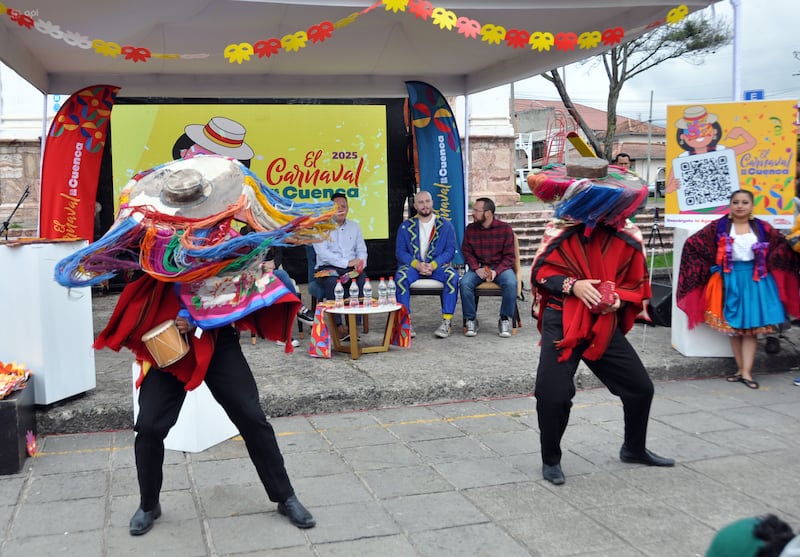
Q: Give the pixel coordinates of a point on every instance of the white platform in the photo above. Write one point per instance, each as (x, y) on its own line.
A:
(46, 327)
(201, 424)
(702, 341)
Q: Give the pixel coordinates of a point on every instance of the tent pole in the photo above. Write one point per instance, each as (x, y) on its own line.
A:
(737, 50)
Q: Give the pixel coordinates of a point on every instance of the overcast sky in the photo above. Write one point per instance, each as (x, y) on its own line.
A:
(770, 60)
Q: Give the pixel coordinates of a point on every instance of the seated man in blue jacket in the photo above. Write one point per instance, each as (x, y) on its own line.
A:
(426, 245)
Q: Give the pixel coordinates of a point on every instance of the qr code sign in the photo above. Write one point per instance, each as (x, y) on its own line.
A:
(706, 180)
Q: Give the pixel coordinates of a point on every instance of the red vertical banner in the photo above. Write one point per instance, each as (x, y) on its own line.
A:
(73, 152)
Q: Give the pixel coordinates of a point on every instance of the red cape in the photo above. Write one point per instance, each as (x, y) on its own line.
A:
(147, 302)
(606, 255)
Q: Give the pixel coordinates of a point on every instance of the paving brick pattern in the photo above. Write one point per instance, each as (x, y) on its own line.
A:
(457, 479)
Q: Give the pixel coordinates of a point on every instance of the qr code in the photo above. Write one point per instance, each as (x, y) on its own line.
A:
(706, 180)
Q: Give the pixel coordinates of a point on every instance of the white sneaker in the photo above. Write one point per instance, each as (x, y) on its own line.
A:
(504, 328)
(413, 332)
(471, 328)
(295, 343)
(444, 329)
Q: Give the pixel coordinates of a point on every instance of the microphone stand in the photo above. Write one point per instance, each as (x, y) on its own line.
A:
(7, 223)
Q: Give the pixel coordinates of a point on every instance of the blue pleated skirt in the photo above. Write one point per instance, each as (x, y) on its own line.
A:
(751, 304)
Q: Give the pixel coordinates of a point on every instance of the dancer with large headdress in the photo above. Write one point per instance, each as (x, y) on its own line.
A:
(591, 276)
(176, 228)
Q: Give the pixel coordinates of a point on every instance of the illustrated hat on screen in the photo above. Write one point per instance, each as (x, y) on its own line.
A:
(695, 115)
(222, 136)
(196, 188)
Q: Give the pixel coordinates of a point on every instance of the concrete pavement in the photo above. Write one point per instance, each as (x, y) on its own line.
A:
(432, 370)
(440, 480)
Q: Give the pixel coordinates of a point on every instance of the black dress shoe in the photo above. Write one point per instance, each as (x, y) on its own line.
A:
(648, 458)
(142, 521)
(297, 514)
(553, 474)
(305, 316)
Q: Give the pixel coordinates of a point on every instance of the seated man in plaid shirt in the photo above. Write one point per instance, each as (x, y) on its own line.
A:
(488, 250)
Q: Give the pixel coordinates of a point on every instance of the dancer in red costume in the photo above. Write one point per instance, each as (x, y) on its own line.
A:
(592, 282)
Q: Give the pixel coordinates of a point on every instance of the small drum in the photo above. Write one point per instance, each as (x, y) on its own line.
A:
(165, 343)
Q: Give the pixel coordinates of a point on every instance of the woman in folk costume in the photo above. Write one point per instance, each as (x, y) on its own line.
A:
(591, 276)
(739, 275)
(175, 225)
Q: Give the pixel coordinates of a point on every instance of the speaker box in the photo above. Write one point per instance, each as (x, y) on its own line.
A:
(660, 306)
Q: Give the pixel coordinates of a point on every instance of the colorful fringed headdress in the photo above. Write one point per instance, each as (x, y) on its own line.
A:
(590, 191)
(176, 223)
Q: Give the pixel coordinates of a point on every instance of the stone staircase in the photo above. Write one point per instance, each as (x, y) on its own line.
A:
(529, 226)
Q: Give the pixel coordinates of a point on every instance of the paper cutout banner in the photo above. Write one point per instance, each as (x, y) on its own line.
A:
(444, 19)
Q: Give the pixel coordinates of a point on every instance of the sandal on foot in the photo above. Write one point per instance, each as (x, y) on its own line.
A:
(734, 378)
(750, 383)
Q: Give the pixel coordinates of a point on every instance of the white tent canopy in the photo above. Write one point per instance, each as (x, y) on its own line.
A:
(372, 56)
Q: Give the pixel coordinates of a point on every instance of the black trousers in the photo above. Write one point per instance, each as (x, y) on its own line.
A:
(620, 369)
(231, 382)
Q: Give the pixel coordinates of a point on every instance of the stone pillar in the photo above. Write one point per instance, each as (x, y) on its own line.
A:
(491, 147)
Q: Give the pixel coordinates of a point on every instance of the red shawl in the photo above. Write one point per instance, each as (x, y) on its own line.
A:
(699, 255)
(606, 255)
(147, 302)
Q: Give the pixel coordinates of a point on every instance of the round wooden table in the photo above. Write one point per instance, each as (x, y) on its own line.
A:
(353, 346)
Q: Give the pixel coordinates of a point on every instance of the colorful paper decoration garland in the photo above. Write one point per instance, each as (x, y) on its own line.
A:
(446, 20)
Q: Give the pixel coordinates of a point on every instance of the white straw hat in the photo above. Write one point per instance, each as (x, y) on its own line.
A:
(222, 136)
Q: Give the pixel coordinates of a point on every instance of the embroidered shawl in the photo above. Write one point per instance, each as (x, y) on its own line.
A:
(147, 302)
(700, 255)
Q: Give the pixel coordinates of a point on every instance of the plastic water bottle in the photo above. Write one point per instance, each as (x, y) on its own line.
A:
(382, 292)
(338, 295)
(367, 293)
(353, 294)
(391, 292)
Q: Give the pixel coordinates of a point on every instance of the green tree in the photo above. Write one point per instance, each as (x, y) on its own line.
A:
(690, 40)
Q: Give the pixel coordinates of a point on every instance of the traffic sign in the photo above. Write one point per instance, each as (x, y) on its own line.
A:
(754, 95)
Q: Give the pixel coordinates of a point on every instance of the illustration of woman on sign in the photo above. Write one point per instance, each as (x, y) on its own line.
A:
(220, 136)
(706, 173)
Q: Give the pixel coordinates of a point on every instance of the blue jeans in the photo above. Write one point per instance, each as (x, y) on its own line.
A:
(507, 281)
(284, 277)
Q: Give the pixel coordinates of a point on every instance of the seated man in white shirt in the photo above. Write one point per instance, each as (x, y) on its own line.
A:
(342, 253)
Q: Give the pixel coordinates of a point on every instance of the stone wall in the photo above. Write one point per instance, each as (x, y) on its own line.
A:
(19, 167)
